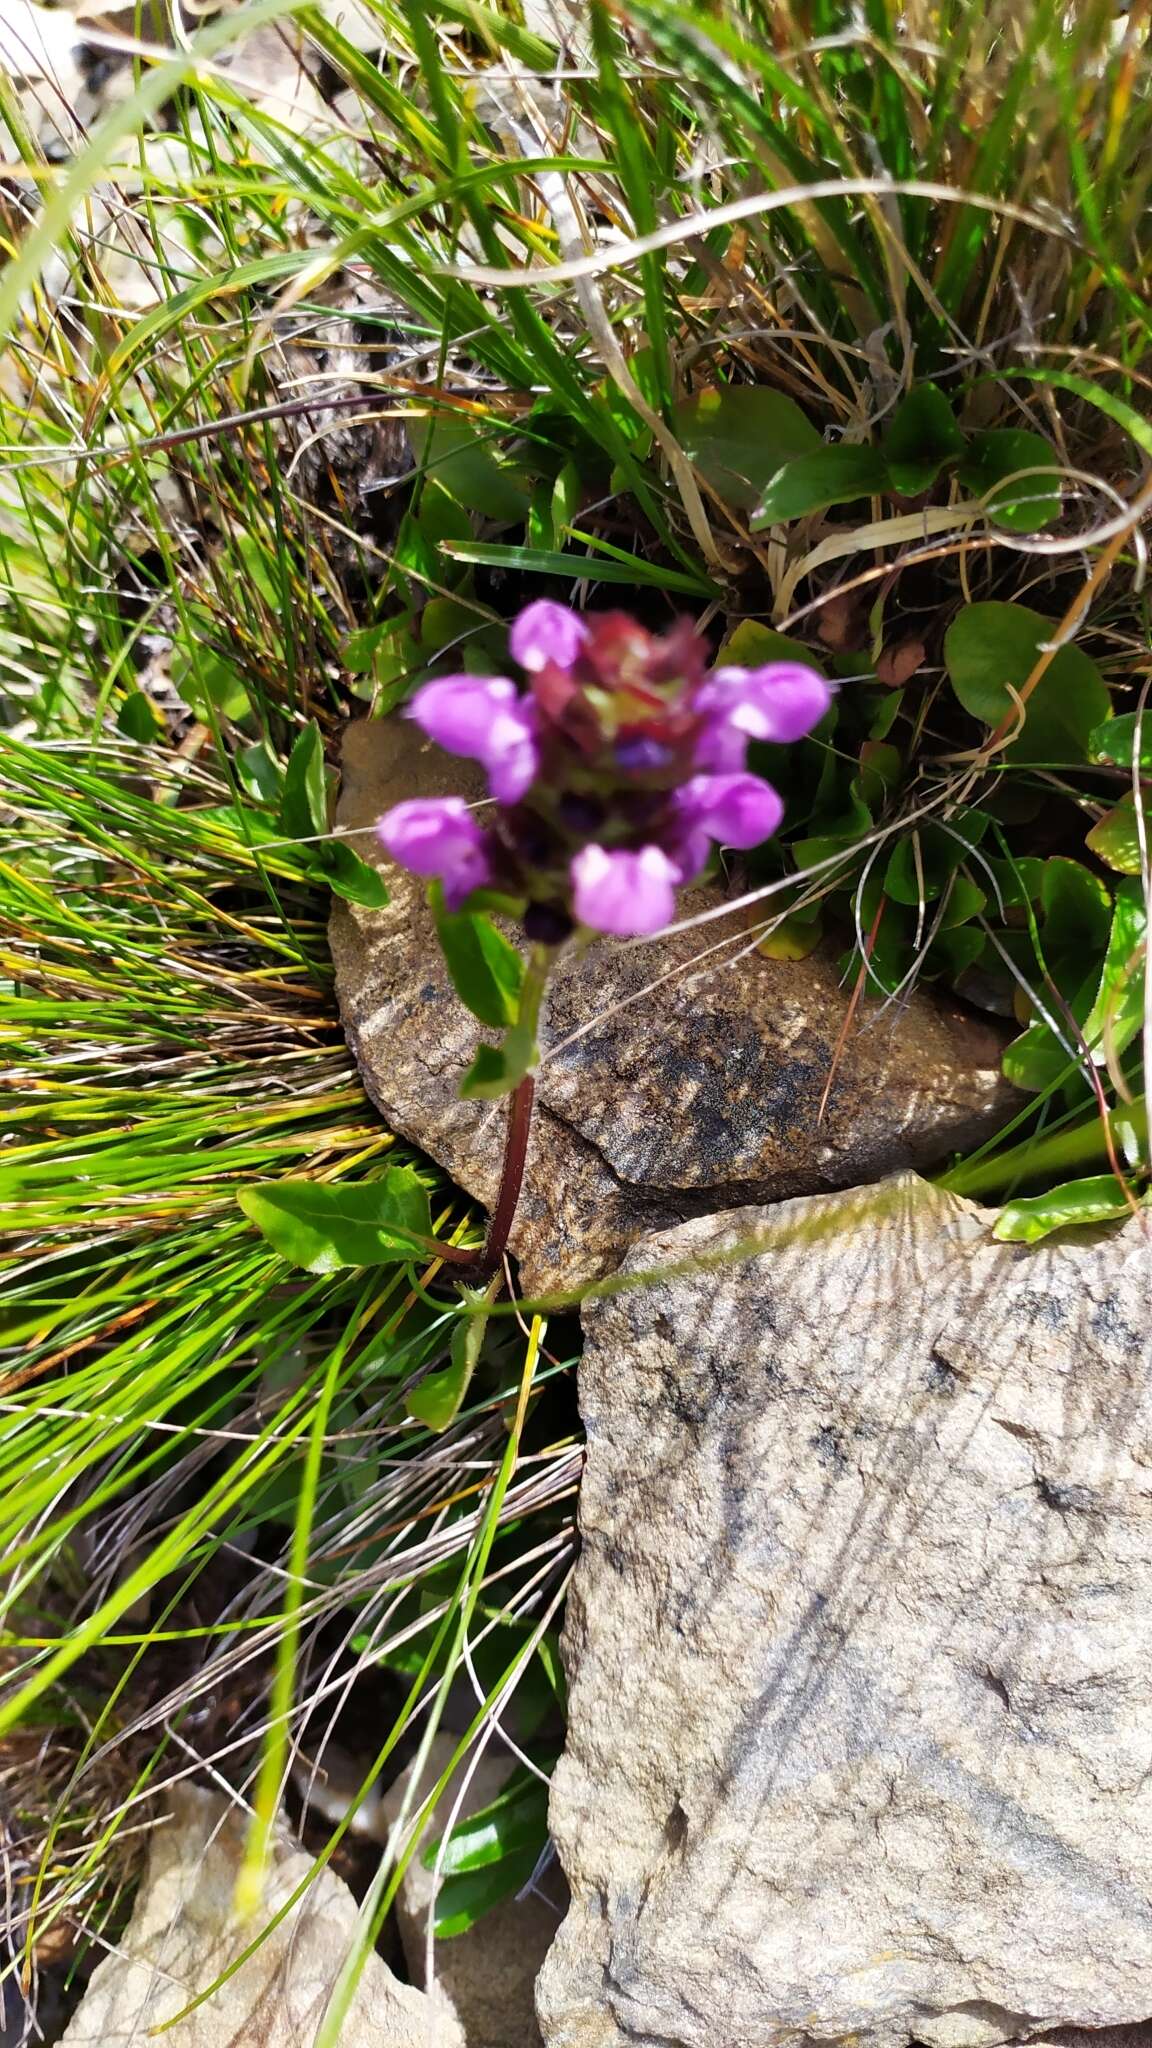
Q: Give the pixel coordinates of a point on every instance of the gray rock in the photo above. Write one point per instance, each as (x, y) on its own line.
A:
(697, 1081)
(183, 1934)
(488, 1975)
(860, 1740)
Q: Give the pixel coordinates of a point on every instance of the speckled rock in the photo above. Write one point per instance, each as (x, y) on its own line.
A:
(184, 1935)
(697, 1077)
(859, 1743)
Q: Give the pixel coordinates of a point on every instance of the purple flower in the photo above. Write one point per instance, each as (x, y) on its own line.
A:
(779, 702)
(486, 719)
(438, 836)
(625, 894)
(737, 810)
(546, 633)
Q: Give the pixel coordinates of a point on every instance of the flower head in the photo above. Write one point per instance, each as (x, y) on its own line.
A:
(439, 836)
(627, 894)
(616, 770)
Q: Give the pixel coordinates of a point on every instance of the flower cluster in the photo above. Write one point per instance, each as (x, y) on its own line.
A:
(614, 772)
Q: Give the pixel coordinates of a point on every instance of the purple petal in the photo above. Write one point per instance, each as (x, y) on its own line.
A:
(690, 851)
(438, 836)
(511, 756)
(625, 894)
(737, 810)
(458, 711)
(780, 702)
(546, 633)
(486, 719)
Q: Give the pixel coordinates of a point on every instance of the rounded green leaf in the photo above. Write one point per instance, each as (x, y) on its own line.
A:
(752, 645)
(139, 718)
(497, 1070)
(829, 476)
(991, 646)
(1117, 739)
(1115, 838)
(922, 438)
(738, 436)
(463, 454)
(1025, 503)
(1077, 909)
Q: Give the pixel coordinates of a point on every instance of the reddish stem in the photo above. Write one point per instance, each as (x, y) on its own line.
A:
(485, 1261)
(512, 1174)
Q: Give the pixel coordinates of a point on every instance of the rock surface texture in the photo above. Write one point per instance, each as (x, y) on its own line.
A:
(183, 1934)
(697, 1080)
(861, 1638)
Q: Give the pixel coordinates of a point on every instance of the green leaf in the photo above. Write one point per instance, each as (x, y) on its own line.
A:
(923, 862)
(1129, 1122)
(486, 969)
(436, 1400)
(1019, 881)
(1108, 1004)
(1118, 1011)
(210, 684)
(463, 1900)
(794, 937)
(462, 453)
(437, 518)
(617, 567)
(322, 1225)
(989, 646)
(1031, 501)
(496, 1070)
(359, 649)
(447, 623)
(567, 492)
(965, 899)
(304, 804)
(259, 772)
(829, 476)
(954, 950)
(1036, 1060)
(250, 826)
(737, 435)
(1098, 1199)
(1115, 740)
(517, 1819)
(922, 438)
(138, 718)
(751, 645)
(1077, 908)
(881, 767)
(1115, 837)
(349, 876)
